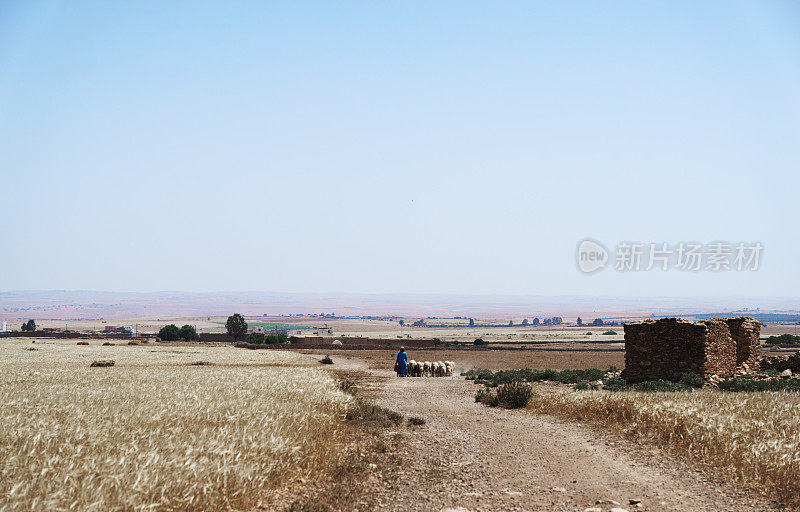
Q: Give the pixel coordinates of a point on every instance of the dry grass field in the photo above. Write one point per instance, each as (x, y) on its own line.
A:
(166, 428)
(752, 438)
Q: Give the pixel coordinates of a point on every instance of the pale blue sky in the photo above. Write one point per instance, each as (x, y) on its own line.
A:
(430, 147)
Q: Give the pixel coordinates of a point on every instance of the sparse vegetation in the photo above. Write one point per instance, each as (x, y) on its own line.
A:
(479, 342)
(753, 437)
(365, 412)
(493, 379)
(610, 333)
(326, 360)
(512, 395)
(413, 420)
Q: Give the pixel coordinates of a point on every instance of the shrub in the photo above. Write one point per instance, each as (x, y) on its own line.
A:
(610, 333)
(413, 420)
(485, 396)
(493, 379)
(585, 386)
(615, 384)
(741, 384)
(347, 385)
(479, 342)
(364, 412)
(274, 339)
(326, 360)
(189, 333)
(200, 363)
(692, 380)
(255, 337)
(169, 333)
(514, 395)
(589, 333)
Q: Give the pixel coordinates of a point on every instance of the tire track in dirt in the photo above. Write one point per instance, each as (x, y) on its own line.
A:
(483, 459)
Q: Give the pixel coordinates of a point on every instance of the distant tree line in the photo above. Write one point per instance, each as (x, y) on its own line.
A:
(171, 332)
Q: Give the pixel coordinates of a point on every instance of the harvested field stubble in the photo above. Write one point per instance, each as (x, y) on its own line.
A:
(752, 437)
(169, 437)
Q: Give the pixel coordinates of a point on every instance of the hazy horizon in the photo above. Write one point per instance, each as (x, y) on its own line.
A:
(74, 304)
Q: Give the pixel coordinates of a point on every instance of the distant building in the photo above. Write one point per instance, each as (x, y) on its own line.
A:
(4, 327)
(118, 329)
(324, 331)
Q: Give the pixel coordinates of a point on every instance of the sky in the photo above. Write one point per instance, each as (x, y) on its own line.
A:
(395, 147)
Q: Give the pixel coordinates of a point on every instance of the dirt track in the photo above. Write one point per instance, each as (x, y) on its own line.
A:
(471, 456)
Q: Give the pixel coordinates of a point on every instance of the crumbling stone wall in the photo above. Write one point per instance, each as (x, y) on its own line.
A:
(746, 332)
(669, 347)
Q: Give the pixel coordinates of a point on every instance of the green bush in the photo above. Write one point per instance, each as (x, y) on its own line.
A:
(169, 333)
(189, 333)
(255, 337)
(692, 380)
(783, 340)
(741, 384)
(485, 396)
(514, 395)
(479, 342)
(326, 360)
(615, 384)
(274, 339)
(497, 378)
(610, 333)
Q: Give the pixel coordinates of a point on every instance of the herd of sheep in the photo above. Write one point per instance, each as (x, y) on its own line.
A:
(429, 369)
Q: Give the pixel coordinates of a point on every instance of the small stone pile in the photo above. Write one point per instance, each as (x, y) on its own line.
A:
(669, 347)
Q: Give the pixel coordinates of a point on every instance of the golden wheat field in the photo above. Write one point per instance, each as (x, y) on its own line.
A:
(158, 431)
(752, 437)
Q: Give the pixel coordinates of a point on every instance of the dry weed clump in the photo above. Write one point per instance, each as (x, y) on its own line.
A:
(752, 437)
(168, 436)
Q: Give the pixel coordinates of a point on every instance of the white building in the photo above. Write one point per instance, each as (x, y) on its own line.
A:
(324, 331)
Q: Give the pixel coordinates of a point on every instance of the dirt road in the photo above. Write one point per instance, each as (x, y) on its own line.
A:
(483, 459)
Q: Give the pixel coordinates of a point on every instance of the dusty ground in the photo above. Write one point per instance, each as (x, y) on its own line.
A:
(483, 459)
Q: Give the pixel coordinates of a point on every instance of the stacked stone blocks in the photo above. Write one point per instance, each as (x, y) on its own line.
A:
(669, 347)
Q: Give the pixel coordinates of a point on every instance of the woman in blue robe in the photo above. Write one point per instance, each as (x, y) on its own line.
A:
(402, 363)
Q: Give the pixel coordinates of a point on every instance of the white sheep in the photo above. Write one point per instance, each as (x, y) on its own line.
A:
(426, 368)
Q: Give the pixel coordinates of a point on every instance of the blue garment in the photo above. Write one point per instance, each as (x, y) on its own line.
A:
(402, 363)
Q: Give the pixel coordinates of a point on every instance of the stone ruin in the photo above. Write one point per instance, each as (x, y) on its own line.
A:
(669, 347)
